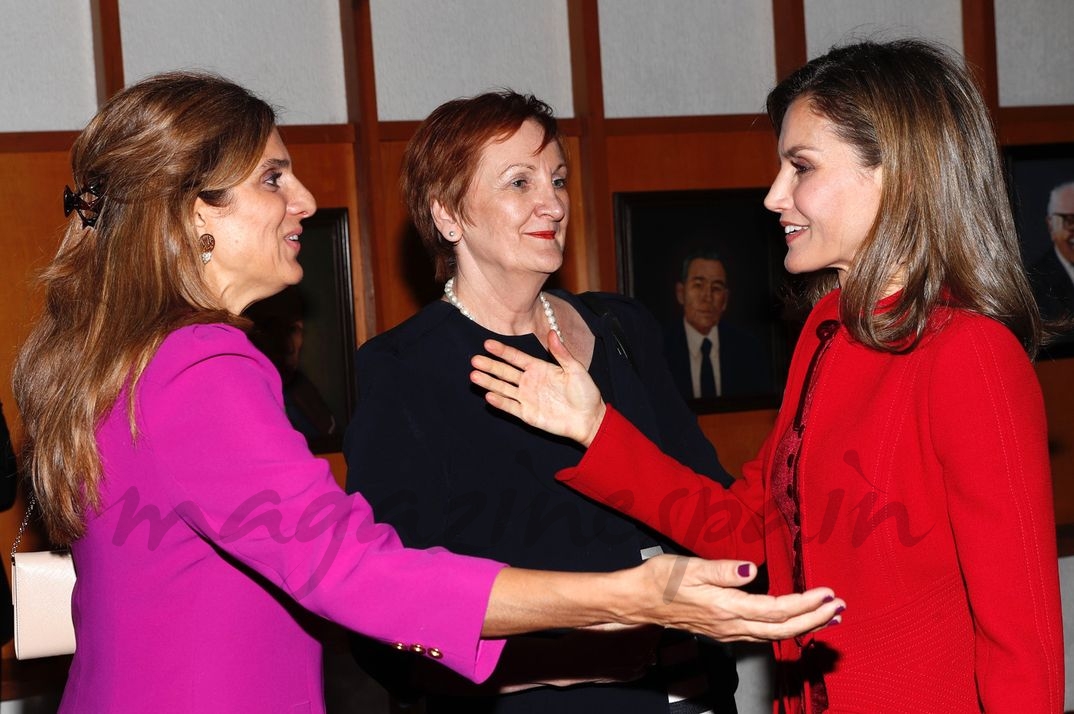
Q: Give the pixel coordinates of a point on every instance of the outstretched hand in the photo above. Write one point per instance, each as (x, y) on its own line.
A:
(562, 400)
(703, 596)
(692, 594)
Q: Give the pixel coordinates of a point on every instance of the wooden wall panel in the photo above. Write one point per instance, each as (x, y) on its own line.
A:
(737, 436)
(669, 162)
(675, 161)
(402, 273)
(1035, 125)
(574, 275)
(32, 209)
(1057, 382)
(327, 170)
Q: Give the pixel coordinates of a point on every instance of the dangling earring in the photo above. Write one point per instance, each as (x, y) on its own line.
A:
(207, 245)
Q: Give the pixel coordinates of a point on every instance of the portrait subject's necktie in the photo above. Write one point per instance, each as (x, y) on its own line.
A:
(708, 377)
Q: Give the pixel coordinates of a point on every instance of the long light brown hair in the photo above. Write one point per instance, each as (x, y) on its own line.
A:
(944, 228)
(116, 289)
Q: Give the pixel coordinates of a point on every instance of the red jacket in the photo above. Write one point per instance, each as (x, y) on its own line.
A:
(925, 503)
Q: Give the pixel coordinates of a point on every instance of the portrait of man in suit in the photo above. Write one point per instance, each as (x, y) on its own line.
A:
(708, 357)
(1052, 275)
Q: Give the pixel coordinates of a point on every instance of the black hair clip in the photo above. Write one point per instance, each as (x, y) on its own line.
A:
(87, 210)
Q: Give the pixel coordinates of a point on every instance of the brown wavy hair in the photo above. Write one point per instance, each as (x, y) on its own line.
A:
(441, 158)
(115, 290)
(944, 228)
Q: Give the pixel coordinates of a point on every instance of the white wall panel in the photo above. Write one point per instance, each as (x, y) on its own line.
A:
(48, 81)
(685, 57)
(1035, 52)
(289, 53)
(429, 51)
(831, 22)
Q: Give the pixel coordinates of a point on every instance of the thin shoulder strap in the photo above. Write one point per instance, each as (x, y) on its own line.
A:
(22, 527)
(600, 307)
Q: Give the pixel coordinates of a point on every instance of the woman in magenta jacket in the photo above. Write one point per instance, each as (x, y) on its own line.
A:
(908, 466)
(207, 540)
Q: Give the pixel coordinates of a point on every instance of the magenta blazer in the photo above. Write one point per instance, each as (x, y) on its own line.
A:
(221, 539)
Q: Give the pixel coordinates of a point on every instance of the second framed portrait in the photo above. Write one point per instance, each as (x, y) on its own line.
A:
(709, 265)
(1042, 194)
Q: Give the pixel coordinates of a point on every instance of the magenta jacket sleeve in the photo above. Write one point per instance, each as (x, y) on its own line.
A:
(212, 418)
(626, 471)
(988, 426)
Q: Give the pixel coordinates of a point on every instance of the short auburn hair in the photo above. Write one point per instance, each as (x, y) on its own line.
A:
(442, 157)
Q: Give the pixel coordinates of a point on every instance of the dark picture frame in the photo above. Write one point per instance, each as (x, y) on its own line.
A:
(316, 357)
(656, 230)
(1032, 173)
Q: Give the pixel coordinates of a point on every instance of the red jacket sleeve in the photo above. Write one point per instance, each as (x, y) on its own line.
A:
(988, 426)
(626, 471)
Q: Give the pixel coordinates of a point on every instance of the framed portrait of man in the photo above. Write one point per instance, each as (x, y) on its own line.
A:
(709, 265)
(1041, 182)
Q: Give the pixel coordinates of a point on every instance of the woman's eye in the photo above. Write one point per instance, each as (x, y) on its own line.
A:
(519, 183)
(559, 182)
(799, 167)
(273, 179)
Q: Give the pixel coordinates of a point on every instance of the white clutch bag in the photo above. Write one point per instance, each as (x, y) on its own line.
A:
(41, 586)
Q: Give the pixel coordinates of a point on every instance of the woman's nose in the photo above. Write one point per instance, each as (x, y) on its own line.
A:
(302, 202)
(778, 198)
(553, 203)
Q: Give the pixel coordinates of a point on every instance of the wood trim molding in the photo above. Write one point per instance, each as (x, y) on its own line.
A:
(25, 142)
(598, 257)
(318, 133)
(709, 124)
(788, 33)
(403, 130)
(107, 48)
(979, 47)
(362, 99)
(1017, 126)
(398, 130)
(34, 141)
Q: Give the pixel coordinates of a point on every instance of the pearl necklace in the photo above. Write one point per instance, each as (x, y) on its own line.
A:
(449, 293)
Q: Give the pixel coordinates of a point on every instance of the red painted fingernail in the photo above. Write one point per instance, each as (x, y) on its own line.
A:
(840, 609)
(833, 621)
(744, 570)
(828, 598)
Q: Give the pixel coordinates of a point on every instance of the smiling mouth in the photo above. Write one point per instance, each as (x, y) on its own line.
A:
(544, 235)
(791, 232)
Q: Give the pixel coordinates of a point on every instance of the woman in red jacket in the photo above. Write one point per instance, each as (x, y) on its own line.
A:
(908, 467)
